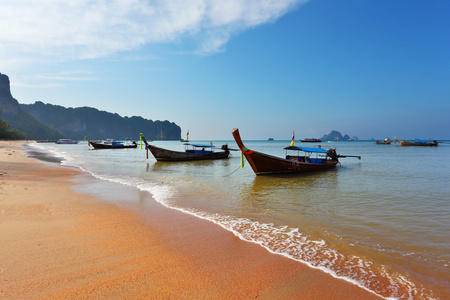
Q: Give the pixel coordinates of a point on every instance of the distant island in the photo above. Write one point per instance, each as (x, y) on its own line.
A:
(40, 121)
(337, 136)
(270, 139)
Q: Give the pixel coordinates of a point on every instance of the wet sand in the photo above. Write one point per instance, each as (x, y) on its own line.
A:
(59, 243)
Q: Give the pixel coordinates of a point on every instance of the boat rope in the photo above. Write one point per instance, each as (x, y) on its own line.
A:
(232, 172)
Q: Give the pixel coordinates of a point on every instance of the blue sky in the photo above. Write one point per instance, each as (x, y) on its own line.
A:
(371, 69)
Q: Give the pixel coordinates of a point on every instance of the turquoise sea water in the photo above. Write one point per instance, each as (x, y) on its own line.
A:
(382, 223)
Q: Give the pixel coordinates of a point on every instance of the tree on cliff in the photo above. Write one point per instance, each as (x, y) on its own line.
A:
(6, 133)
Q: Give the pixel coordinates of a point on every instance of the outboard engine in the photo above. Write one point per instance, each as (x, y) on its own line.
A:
(332, 153)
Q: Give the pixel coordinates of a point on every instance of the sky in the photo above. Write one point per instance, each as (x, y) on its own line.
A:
(370, 69)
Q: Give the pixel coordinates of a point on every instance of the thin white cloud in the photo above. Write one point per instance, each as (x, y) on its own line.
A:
(67, 78)
(74, 29)
(59, 79)
(41, 86)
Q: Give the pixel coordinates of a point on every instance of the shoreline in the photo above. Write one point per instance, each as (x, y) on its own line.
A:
(61, 243)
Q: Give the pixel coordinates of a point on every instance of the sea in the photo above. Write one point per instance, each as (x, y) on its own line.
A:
(382, 222)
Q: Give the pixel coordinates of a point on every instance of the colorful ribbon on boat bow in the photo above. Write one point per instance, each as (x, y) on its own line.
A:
(245, 150)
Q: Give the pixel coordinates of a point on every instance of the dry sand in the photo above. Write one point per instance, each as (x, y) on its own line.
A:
(56, 243)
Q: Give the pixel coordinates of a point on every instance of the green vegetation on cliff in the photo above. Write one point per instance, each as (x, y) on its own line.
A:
(76, 123)
(6, 133)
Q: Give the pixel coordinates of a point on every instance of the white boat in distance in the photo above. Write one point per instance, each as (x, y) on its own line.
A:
(66, 141)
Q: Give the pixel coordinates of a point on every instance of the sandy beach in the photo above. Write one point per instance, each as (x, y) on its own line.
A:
(57, 243)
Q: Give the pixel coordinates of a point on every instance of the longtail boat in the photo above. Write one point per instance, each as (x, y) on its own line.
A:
(262, 163)
(308, 140)
(66, 141)
(192, 152)
(111, 145)
(418, 142)
(384, 142)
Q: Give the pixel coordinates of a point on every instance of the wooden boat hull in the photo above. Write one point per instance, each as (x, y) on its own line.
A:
(262, 163)
(162, 154)
(110, 146)
(423, 144)
(384, 143)
(431, 144)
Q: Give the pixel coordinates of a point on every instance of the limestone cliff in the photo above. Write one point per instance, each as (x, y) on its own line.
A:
(7, 103)
(11, 112)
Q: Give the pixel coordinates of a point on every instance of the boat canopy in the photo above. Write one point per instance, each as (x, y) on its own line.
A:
(307, 149)
(422, 141)
(200, 145)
